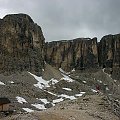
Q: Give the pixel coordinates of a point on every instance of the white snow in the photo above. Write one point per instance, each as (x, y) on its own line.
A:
(53, 104)
(94, 90)
(73, 70)
(62, 71)
(82, 92)
(21, 100)
(68, 89)
(79, 95)
(67, 78)
(1, 83)
(45, 101)
(115, 80)
(84, 82)
(39, 106)
(41, 82)
(67, 96)
(107, 88)
(58, 100)
(11, 82)
(50, 92)
(28, 110)
(99, 81)
(53, 81)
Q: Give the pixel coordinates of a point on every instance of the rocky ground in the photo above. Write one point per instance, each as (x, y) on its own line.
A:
(89, 107)
(60, 95)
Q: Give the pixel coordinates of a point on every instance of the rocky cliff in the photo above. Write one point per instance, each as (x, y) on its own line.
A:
(109, 54)
(22, 48)
(21, 44)
(84, 53)
(79, 53)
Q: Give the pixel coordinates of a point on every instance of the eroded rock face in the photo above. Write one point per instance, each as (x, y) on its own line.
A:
(109, 53)
(21, 44)
(79, 53)
(85, 53)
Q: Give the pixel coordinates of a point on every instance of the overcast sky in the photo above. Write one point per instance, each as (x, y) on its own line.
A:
(67, 19)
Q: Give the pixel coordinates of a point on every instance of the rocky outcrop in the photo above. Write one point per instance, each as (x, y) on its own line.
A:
(109, 54)
(79, 53)
(85, 53)
(22, 49)
(21, 44)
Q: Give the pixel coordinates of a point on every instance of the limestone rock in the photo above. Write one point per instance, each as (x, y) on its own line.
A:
(79, 53)
(21, 44)
(109, 53)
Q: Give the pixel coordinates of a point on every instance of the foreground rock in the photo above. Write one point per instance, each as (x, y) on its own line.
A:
(91, 107)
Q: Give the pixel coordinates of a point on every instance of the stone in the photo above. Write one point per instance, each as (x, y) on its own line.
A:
(79, 53)
(21, 45)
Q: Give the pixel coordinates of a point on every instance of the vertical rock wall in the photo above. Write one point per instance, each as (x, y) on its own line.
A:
(21, 44)
(78, 53)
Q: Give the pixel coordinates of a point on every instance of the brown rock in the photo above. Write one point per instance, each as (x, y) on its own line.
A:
(109, 53)
(21, 44)
(79, 53)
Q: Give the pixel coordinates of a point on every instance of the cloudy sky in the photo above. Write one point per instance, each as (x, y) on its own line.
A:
(67, 19)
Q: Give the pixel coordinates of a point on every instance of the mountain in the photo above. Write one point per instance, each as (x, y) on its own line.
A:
(85, 53)
(59, 78)
(21, 45)
(23, 48)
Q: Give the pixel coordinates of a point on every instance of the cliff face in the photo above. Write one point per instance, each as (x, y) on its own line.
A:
(78, 53)
(22, 48)
(85, 53)
(109, 48)
(21, 44)
(109, 54)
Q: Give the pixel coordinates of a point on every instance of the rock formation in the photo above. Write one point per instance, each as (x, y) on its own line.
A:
(109, 54)
(21, 44)
(85, 53)
(79, 53)
(22, 48)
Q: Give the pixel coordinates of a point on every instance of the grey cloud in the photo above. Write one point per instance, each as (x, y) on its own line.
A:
(67, 19)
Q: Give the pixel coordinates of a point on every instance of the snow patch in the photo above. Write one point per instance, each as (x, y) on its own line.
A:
(84, 81)
(41, 82)
(39, 106)
(68, 97)
(95, 91)
(67, 78)
(73, 70)
(50, 93)
(28, 110)
(45, 101)
(11, 82)
(53, 81)
(21, 100)
(99, 81)
(62, 71)
(68, 89)
(79, 95)
(1, 83)
(58, 100)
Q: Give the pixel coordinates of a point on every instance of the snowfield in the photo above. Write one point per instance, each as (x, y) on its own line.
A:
(21, 100)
